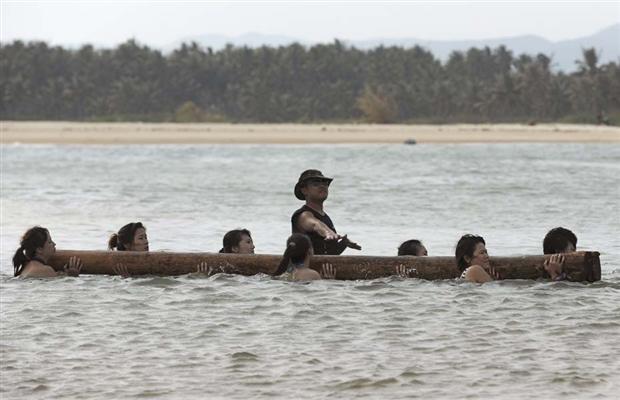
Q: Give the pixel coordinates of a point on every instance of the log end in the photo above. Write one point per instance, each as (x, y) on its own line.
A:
(592, 272)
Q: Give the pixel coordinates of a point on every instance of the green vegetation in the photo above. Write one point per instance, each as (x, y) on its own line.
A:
(297, 84)
(188, 112)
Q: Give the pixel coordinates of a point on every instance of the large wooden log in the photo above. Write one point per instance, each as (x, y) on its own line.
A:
(579, 266)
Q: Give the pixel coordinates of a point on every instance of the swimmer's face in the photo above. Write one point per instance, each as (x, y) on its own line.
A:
(480, 256)
(245, 245)
(140, 241)
(48, 249)
(422, 252)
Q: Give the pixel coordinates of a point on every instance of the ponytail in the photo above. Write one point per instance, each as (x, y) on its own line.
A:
(33, 239)
(297, 247)
(19, 260)
(286, 260)
(113, 242)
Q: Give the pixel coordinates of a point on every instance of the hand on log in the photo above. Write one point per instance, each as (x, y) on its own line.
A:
(405, 272)
(73, 267)
(204, 269)
(328, 271)
(554, 266)
(121, 269)
(494, 274)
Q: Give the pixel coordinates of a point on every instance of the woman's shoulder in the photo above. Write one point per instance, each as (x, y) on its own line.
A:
(306, 274)
(477, 274)
(36, 269)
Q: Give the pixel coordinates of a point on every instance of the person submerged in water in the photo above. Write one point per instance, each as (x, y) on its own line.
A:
(35, 250)
(131, 237)
(472, 260)
(238, 241)
(556, 242)
(312, 220)
(295, 263)
(412, 247)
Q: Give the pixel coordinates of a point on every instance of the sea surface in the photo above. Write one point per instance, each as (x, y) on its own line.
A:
(235, 337)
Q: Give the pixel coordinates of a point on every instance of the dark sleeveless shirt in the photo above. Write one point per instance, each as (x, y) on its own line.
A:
(319, 244)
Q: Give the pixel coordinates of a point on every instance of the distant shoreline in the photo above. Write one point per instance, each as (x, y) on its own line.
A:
(48, 132)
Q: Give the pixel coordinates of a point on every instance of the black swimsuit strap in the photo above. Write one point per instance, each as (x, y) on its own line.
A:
(38, 259)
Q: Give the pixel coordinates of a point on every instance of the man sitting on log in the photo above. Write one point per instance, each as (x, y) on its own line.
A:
(557, 241)
(312, 220)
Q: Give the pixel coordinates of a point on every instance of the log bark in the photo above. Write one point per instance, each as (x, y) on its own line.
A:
(583, 266)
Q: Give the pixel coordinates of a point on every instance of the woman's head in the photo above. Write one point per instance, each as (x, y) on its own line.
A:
(298, 248)
(471, 250)
(35, 243)
(412, 247)
(238, 241)
(131, 237)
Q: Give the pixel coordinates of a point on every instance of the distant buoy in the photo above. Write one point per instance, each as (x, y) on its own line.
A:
(410, 141)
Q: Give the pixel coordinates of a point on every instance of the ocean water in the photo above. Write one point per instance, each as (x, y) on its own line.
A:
(101, 337)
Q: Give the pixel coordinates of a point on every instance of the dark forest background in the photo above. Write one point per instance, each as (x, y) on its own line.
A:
(321, 83)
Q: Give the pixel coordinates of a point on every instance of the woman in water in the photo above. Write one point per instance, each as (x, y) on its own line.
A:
(36, 248)
(412, 247)
(472, 260)
(296, 261)
(131, 237)
(238, 241)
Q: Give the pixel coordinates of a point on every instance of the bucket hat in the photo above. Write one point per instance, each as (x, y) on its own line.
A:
(305, 176)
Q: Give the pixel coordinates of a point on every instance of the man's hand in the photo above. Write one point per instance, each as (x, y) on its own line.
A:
(554, 265)
(330, 235)
(349, 243)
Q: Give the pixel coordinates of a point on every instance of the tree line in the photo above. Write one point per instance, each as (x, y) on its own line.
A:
(322, 83)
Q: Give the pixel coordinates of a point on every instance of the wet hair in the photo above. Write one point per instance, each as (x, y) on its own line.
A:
(232, 239)
(557, 239)
(297, 247)
(124, 238)
(33, 239)
(466, 247)
(410, 248)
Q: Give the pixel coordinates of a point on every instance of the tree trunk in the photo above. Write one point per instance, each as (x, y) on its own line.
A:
(579, 266)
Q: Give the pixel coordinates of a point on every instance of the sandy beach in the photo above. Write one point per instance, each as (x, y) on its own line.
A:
(162, 133)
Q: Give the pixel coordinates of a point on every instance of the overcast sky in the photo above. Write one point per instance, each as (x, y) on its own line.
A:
(159, 23)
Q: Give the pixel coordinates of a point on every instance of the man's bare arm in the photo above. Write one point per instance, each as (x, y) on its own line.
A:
(308, 223)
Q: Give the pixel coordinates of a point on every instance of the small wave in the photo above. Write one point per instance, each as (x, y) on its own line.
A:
(361, 383)
(158, 282)
(244, 356)
(374, 285)
(40, 388)
(154, 393)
